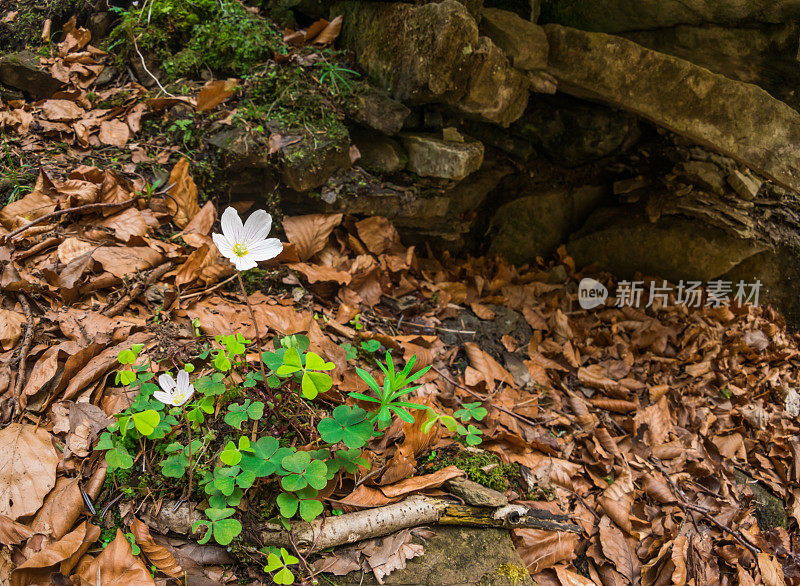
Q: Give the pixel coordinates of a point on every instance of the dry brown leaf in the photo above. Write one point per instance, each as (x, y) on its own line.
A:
(320, 273)
(617, 499)
(122, 261)
(61, 110)
(114, 133)
(330, 32)
(12, 532)
(619, 550)
(570, 578)
(27, 469)
(540, 549)
(489, 368)
(197, 230)
(60, 556)
(10, 328)
(215, 92)
(310, 233)
(117, 566)
(482, 311)
(158, 555)
(771, 570)
(378, 234)
(182, 203)
(65, 504)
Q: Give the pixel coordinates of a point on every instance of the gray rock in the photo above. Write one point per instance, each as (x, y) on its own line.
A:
(571, 133)
(377, 110)
(623, 241)
(524, 43)
(240, 148)
(306, 166)
(467, 556)
(705, 175)
(535, 225)
(379, 153)
(433, 53)
(542, 82)
(736, 119)
(746, 186)
(100, 24)
(22, 71)
(429, 156)
(613, 16)
(475, 494)
(770, 511)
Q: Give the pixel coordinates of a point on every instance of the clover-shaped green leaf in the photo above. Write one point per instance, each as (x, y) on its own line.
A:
(291, 363)
(282, 563)
(238, 414)
(470, 411)
(348, 425)
(302, 472)
(472, 435)
(210, 385)
(223, 529)
(146, 421)
(302, 501)
(260, 461)
(350, 460)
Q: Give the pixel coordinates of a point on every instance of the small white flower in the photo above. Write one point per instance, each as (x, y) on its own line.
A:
(174, 393)
(245, 245)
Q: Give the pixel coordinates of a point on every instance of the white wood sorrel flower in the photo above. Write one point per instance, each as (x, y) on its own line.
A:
(174, 393)
(245, 245)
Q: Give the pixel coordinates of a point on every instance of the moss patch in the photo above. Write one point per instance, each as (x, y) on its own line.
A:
(26, 28)
(482, 467)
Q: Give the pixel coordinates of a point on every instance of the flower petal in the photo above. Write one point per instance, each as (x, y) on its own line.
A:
(265, 250)
(243, 263)
(232, 227)
(166, 382)
(257, 227)
(183, 381)
(186, 396)
(224, 245)
(165, 398)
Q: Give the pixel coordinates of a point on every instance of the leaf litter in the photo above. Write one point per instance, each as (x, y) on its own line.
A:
(657, 430)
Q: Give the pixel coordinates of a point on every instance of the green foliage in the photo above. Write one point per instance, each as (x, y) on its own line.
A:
(313, 382)
(348, 425)
(336, 77)
(188, 36)
(470, 411)
(280, 561)
(228, 467)
(238, 414)
(395, 385)
(223, 529)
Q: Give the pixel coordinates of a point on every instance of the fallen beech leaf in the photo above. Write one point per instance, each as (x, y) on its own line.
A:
(121, 261)
(215, 92)
(117, 566)
(320, 273)
(310, 233)
(182, 203)
(619, 550)
(378, 234)
(771, 570)
(65, 504)
(27, 469)
(570, 578)
(158, 555)
(617, 499)
(114, 133)
(60, 556)
(10, 328)
(61, 110)
(330, 32)
(543, 549)
(489, 368)
(200, 226)
(482, 311)
(12, 532)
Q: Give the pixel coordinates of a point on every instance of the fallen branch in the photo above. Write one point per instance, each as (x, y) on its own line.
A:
(57, 213)
(137, 290)
(411, 512)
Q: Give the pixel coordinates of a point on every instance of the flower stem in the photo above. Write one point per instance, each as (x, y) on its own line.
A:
(255, 326)
(191, 470)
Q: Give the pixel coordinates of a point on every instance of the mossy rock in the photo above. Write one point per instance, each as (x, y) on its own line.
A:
(769, 509)
(457, 555)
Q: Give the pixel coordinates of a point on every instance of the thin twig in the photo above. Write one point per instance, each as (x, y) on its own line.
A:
(702, 510)
(482, 398)
(147, 71)
(83, 208)
(255, 326)
(137, 290)
(209, 290)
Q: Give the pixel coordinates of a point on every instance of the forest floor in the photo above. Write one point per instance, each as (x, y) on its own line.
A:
(668, 434)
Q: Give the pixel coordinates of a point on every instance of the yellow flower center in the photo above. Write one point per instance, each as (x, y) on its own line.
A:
(240, 249)
(177, 398)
